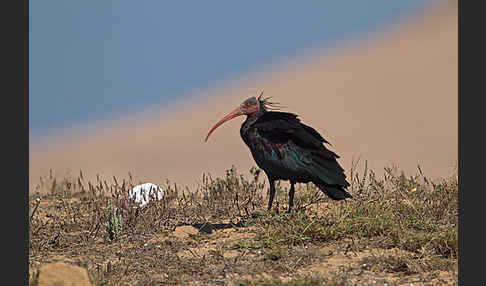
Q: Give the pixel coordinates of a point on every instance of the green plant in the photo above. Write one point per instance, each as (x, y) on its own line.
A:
(114, 226)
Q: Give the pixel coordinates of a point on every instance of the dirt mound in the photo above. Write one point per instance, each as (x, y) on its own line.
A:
(58, 274)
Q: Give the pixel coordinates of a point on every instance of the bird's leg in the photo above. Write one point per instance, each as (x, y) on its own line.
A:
(277, 203)
(291, 196)
(272, 193)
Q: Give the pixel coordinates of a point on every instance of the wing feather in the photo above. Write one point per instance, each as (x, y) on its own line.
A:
(281, 127)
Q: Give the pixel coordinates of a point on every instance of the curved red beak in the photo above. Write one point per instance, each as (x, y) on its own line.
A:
(235, 113)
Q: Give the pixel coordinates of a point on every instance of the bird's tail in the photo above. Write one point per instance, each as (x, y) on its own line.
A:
(335, 192)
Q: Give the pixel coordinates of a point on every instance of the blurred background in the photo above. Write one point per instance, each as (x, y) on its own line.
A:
(119, 86)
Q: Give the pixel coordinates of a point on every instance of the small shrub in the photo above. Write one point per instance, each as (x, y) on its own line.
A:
(114, 226)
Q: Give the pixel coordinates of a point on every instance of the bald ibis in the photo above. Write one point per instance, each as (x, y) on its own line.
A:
(286, 149)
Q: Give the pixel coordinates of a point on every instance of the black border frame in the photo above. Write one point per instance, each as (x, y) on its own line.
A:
(460, 134)
(470, 75)
(15, 119)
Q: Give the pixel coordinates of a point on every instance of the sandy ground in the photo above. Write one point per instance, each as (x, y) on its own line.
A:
(390, 98)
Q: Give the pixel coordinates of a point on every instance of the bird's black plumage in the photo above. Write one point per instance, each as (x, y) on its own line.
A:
(286, 149)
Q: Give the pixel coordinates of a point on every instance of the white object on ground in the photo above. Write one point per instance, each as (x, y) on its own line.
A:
(142, 194)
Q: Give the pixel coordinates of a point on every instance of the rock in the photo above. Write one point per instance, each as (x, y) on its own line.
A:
(143, 193)
(60, 274)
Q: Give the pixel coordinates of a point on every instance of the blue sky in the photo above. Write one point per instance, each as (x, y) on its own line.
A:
(89, 59)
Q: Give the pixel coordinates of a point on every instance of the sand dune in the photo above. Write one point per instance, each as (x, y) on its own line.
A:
(391, 99)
